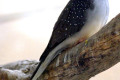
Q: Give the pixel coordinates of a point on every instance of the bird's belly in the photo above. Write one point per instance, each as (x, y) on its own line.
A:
(96, 19)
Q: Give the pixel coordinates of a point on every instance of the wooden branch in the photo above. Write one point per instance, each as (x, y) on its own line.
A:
(20, 70)
(98, 53)
(89, 58)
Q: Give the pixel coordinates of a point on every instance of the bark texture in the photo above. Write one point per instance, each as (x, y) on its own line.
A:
(83, 61)
(19, 70)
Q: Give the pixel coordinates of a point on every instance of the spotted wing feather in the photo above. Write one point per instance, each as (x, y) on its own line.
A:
(71, 20)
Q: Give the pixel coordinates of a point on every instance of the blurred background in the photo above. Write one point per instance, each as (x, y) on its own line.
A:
(26, 26)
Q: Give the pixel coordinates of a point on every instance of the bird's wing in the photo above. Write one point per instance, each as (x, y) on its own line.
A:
(71, 20)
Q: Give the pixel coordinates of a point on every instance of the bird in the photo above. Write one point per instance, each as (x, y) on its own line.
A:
(79, 20)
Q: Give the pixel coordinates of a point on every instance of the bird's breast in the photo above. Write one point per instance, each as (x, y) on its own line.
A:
(96, 18)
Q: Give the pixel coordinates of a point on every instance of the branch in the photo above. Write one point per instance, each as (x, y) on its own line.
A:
(19, 70)
(83, 61)
(98, 53)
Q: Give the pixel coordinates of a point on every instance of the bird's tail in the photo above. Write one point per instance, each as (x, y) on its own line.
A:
(44, 63)
(35, 72)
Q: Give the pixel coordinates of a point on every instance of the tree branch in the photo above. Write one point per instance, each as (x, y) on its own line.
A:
(98, 53)
(83, 61)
